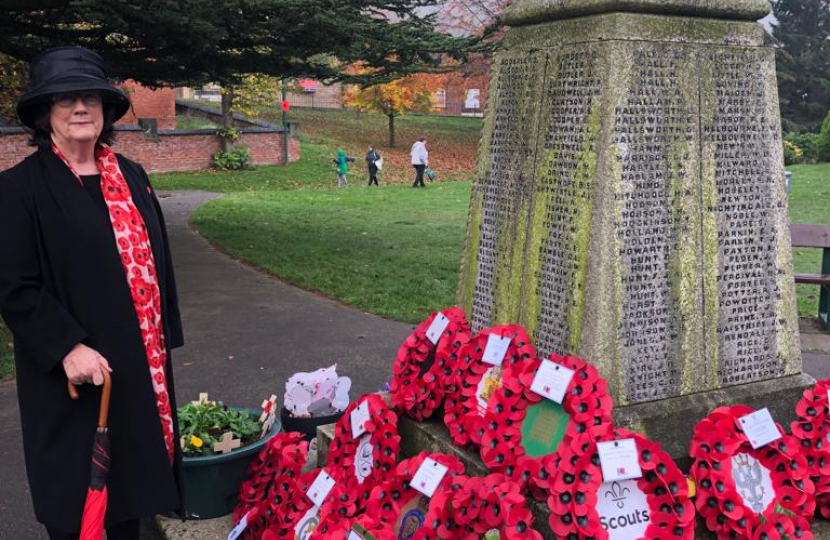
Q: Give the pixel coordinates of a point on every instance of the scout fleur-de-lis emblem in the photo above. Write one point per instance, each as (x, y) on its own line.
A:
(617, 494)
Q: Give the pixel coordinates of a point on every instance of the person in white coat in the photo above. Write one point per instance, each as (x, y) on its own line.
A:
(420, 160)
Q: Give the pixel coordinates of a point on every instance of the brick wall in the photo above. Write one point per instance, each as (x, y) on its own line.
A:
(168, 151)
(159, 103)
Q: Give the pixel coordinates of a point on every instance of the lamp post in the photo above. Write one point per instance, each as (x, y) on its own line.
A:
(284, 124)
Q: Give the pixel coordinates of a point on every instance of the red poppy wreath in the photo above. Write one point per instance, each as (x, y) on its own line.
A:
(426, 361)
(479, 374)
(282, 456)
(473, 507)
(519, 422)
(396, 503)
(655, 506)
(279, 516)
(746, 493)
(812, 429)
(359, 462)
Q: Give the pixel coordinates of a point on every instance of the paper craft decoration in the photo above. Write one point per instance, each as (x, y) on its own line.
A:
(317, 393)
(476, 382)
(747, 493)
(423, 369)
(358, 464)
(812, 429)
(653, 507)
(227, 443)
(474, 507)
(520, 427)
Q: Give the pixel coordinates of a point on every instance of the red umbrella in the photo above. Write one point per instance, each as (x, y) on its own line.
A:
(95, 507)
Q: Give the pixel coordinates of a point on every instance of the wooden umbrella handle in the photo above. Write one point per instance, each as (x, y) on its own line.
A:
(104, 410)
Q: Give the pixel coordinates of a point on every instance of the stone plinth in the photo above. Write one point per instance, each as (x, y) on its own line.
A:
(629, 203)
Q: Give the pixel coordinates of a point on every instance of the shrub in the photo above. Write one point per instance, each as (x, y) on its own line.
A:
(792, 153)
(824, 140)
(807, 143)
(232, 160)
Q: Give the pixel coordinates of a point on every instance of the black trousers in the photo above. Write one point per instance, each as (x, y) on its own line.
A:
(128, 530)
(373, 175)
(419, 175)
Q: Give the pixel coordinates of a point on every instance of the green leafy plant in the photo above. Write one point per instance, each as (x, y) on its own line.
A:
(808, 143)
(230, 134)
(232, 160)
(792, 153)
(202, 425)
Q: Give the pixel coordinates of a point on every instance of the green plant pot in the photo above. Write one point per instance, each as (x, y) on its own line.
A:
(211, 483)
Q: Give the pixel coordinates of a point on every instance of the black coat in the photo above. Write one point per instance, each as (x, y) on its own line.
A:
(62, 282)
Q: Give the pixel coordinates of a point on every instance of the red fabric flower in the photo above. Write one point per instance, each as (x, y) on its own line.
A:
(423, 370)
(476, 381)
(718, 446)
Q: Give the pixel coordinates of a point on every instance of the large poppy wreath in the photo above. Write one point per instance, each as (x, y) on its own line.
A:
(583, 506)
(763, 494)
(520, 423)
(358, 464)
(279, 515)
(472, 507)
(282, 457)
(423, 370)
(812, 429)
(476, 381)
(395, 503)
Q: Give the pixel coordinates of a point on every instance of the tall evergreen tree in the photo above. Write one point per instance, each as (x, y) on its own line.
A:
(802, 31)
(192, 42)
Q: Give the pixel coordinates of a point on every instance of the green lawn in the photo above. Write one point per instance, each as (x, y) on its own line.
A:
(6, 355)
(809, 203)
(394, 250)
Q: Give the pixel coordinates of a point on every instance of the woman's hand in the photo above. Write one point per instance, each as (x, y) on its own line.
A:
(83, 365)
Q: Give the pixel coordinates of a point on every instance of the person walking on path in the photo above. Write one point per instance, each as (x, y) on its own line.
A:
(420, 160)
(86, 284)
(341, 167)
(372, 157)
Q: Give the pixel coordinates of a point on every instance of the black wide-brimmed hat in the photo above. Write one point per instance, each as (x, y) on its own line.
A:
(68, 69)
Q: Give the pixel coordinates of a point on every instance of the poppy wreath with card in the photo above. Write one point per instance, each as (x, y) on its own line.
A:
(744, 493)
(396, 501)
(284, 455)
(278, 516)
(423, 370)
(812, 429)
(586, 409)
(360, 463)
(576, 488)
(476, 381)
(473, 506)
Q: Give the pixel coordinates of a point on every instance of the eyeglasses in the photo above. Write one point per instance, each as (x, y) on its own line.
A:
(90, 99)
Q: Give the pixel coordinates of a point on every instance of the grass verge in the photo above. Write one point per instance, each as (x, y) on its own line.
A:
(394, 250)
(809, 203)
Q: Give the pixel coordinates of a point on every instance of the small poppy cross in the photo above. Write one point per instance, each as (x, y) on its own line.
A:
(203, 400)
(268, 424)
(269, 408)
(226, 444)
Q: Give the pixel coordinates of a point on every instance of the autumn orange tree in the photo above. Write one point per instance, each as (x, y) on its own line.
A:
(412, 93)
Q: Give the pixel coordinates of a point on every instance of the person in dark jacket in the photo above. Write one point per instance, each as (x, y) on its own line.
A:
(86, 284)
(372, 157)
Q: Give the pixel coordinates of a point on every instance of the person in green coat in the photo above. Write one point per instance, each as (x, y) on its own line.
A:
(341, 166)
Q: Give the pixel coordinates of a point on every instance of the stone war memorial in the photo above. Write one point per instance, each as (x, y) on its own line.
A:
(629, 205)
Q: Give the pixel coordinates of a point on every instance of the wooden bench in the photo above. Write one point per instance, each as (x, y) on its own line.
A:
(816, 236)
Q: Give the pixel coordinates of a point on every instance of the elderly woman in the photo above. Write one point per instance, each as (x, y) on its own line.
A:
(86, 284)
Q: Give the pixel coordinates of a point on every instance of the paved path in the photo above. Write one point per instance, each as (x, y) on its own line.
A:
(245, 334)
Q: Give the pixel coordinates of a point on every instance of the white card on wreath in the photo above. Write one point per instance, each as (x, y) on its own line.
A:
(759, 428)
(619, 460)
(320, 488)
(353, 535)
(428, 476)
(552, 380)
(437, 327)
(243, 523)
(496, 349)
(359, 416)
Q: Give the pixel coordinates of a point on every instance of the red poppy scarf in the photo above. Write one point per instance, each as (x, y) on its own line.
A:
(140, 269)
